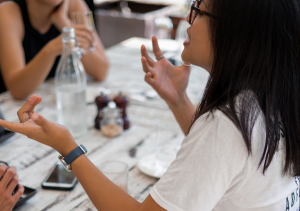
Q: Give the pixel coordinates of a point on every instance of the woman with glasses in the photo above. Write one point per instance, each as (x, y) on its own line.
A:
(242, 145)
(30, 43)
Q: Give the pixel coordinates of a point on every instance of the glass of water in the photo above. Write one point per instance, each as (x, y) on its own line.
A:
(117, 172)
(84, 18)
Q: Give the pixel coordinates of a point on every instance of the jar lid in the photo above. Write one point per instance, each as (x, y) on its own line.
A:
(112, 105)
(111, 110)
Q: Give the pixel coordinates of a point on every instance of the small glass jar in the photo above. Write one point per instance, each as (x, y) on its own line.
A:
(112, 122)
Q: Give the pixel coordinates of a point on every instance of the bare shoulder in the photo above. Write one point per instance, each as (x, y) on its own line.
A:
(10, 11)
(11, 18)
(77, 5)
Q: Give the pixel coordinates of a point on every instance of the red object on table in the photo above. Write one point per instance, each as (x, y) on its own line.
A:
(121, 102)
(101, 102)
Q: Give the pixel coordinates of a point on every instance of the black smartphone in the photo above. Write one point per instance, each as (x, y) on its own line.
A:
(27, 194)
(59, 179)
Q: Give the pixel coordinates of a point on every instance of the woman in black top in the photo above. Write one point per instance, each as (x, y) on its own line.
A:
(30, 43)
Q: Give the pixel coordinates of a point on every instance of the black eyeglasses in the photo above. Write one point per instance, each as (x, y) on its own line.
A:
(195, 10)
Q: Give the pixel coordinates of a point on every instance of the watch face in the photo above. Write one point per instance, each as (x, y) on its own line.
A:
(67, 167)
(83, 149)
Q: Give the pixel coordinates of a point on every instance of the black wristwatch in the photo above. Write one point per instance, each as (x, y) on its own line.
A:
(66, 161)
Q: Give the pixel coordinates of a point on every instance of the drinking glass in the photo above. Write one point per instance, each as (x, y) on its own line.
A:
(117, 172)
(84, 18)
(167, 139)
(163, 27)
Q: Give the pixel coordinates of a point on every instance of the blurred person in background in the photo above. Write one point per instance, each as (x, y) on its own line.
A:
(242, 145)
(30, 43)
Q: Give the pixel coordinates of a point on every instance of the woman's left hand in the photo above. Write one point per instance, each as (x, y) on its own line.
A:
(38, 128)
(59, 16)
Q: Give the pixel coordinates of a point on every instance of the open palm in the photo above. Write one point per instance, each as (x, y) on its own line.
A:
(36, 127)
(168, 81)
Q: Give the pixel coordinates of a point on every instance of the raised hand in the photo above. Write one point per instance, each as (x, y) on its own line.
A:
(59, 16)
(7, 185)
(169, 82)
(36, 127)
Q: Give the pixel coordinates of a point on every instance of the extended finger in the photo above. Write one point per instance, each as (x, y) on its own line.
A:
(19, 193)
(83, 43)
(13, 126)
(10, 173)
(145, 54)
(31, 111)
(87, 35)
(156, 50)
(13, 184)
(146, 66)
(82, 27)
(3, 169)
(28, 107)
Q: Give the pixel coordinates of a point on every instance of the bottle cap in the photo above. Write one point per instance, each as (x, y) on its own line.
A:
(112, 104)
(111, 110)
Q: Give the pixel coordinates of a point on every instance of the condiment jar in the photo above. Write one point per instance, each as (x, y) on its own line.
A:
(112, 122)
(101, 102)
(122, 102)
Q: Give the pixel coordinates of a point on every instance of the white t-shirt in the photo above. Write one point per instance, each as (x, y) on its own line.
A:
(213, 171)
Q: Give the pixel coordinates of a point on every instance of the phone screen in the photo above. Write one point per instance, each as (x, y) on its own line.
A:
(61, 175)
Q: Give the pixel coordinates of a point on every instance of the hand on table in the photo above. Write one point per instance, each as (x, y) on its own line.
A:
(7, 186)
(38, 128)
(169, 82)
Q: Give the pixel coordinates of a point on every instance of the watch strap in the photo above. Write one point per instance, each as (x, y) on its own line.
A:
(75, 154)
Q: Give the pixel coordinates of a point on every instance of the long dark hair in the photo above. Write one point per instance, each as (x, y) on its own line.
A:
(256, 46)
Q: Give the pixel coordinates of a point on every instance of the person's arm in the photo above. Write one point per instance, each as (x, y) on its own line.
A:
(104, 194)
(184, 112)
(170, 83)
(95, 63)
(21, 79)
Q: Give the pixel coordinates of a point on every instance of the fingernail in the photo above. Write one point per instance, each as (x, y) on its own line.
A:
(34, 116)
(21, 187)
(5, 166)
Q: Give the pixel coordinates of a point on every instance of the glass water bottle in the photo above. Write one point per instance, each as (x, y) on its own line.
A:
(70, 84)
